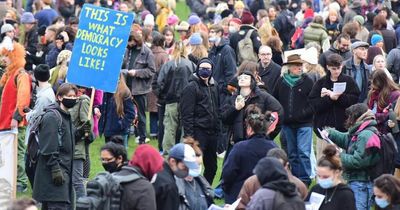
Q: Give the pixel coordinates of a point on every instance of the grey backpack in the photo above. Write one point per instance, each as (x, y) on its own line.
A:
(246, 49)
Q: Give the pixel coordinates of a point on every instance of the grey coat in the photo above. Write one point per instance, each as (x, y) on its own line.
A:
(393, 63)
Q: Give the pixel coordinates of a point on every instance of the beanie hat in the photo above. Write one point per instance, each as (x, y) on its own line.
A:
(193, 20)
(236, 20)
(183, 26)
(6, 28)
(359, 19)
(27, 17)
(239, 5)
(376, 38)
(42, 73)
(149, 20)
(247, 18)
(204, 60)
(144, 14)
(225, 13)
(195, 39)
(172, 20)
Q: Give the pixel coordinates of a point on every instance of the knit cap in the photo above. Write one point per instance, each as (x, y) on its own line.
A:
(376, 38)
(195, 39)
(194, 19)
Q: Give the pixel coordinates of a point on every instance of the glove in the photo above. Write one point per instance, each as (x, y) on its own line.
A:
(239, 102)
(57, 177)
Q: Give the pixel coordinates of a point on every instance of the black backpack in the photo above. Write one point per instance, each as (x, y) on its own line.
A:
(387, 153)
(104, 191)
(33, 149)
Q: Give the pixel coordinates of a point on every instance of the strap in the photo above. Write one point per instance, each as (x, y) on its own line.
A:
(59, 133)
(248, 34)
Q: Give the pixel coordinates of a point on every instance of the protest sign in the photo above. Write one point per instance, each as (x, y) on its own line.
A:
(99, 47)
(8, 167)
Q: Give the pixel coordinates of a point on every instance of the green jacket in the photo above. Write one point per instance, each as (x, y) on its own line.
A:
(315, 33)
(79, 115)
(355, 159)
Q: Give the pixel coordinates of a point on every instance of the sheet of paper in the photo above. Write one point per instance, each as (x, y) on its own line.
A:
(326, 138)
(231, 207)
(339, 87)
(316, 200)
(235, 204)
(215, 207)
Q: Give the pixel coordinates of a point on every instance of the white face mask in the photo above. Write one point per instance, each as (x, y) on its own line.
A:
(232, 29)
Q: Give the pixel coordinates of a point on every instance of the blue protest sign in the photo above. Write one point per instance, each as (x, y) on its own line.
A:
(99, 47)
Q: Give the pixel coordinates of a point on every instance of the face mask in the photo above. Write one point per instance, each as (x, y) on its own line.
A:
(69, 102)
(110, 166)
(214, 39)
(196, 172)
(382, 203)
(232, 29)
(181, 173)
(204, 72)
(325, 183)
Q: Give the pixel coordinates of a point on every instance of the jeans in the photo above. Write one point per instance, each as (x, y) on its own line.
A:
(299, 143)
(78, 179)
(161, 112)
(153, 124)
(208, 141)
(22, 179)
(171, 123)
(56, 206)
(140, 101)
(362, 193)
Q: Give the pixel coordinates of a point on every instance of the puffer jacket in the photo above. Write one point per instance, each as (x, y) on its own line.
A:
(356, 159)
(315, 33)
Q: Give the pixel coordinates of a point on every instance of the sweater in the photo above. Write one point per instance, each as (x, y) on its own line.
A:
(336, 198)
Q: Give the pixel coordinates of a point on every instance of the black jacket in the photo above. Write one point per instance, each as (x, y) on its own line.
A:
(199, 106)
(241, 34)
(298, 112)
(328, 112)
(53, 157)
(284, 28)
(269, 75)
(167, 194)
(31, 44)
(235, 118)
(341, 197)
(349, 69)
(137, 195)
(173, 78)
(224, 69)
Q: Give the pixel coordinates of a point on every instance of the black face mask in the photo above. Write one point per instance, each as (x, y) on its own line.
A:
(110, 166)
(69, 102)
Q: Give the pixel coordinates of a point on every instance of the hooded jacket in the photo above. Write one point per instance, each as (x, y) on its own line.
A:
(273, 177)
(357, 143)
(140, 194)
(315, 33)
(16, 84)
(332, 50)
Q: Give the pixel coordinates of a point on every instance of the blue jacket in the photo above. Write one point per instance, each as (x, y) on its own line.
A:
(110, 123)
(240, 163)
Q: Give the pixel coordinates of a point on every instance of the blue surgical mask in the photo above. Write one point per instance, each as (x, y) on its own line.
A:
(204, 72)
(326, 183)
(382, 203)
(195, 172)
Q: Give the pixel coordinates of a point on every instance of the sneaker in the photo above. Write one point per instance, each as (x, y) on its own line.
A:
(221, 155)
(21, 188)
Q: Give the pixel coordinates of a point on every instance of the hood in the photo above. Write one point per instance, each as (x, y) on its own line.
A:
(17, 57)
(148, 160)
(270, 169)
(316, 25)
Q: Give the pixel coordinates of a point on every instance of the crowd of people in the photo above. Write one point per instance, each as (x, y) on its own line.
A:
(297, 97)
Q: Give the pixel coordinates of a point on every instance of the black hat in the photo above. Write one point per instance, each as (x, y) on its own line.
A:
(42, 73)
(225, 13)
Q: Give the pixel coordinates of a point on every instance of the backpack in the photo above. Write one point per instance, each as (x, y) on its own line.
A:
(282, 202)
(246, 49)
(33, 149)
(104, 192)
(387, 152)
(34, 86)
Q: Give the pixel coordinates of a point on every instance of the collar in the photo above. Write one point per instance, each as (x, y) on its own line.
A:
(47, 7)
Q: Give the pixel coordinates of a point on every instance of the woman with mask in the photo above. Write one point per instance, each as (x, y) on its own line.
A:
(53, 181)
(113, 155)
(245, 154)
(359, 154)
(330, 184)
(386, 192)
(194, 190)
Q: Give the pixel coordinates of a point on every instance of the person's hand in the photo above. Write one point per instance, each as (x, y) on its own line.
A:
(97, 112)
(324, 92)
(391, 124)
(334, 96)
(14, 124)
(239, 102)
(65, 35)
(132, 73)
(57, 177)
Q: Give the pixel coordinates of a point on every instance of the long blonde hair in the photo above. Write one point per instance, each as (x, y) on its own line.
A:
(180, 51)
(199, 51)
(121, 95)
(63, 59)
(314, 68)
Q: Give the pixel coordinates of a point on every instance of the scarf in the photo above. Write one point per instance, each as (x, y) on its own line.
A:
(291, 79)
